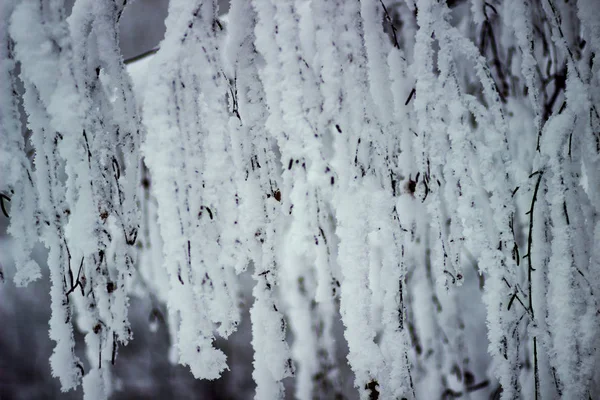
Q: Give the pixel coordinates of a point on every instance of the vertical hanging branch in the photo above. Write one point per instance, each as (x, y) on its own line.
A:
(101, 180)
(307, 183)
(561, 266)
(18, 185)
(301, 144)
(193, 203)
(405, 222)
(387, 70)
(54, 210)
(355, 135)
(438, 146)
(432, 147)
(272, 358)
(495, 180)
(545, 383)
(569, 244)
(377, 49)
(262, 219)
(530, 270)
(217, 198)
(518, 14)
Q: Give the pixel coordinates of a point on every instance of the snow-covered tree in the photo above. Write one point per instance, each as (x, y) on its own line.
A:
(426, 171)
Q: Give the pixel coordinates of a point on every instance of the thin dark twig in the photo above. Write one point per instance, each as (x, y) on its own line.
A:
(530, 239)
(478, 386)
(77, 282)
(141, 56)
(536, 371)
(389, 19)
(512, 299)
(529, 271)
(488, 5)
(114, 349)
(2, 198)
(410, 96)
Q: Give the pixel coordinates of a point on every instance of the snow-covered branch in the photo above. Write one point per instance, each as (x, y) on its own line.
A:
(425, 172)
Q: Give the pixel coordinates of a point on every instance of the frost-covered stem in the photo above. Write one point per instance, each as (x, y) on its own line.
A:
(262, 192)
(536, 370)
(100, 147)
(18, 185)
(497, 259)
(40, 85)
(338, 161)
(355, 143)
(530, 270)
(300, 146)
(194, 193)
(53, 210)
(432, 142)
(518, 15)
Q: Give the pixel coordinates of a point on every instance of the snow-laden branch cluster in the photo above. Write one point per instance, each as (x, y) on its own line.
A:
(427, 172)
(79, 196)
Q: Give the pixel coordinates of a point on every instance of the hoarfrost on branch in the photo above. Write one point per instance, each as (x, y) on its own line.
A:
(427, 171)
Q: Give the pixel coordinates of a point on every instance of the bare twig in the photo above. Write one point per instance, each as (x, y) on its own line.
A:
(141, 56)
(389, 19)
(529, 271)
(2, 198)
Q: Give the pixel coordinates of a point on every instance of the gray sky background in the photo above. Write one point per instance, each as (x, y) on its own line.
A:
(142, 25)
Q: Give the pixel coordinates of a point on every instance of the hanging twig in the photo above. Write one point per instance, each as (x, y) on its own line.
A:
(409, 98)
(389, 19)
(142, 56)
(77, 282)
(2, 198)
(530, 269)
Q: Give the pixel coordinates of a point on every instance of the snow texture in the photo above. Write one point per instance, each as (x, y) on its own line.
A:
(425, 171)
